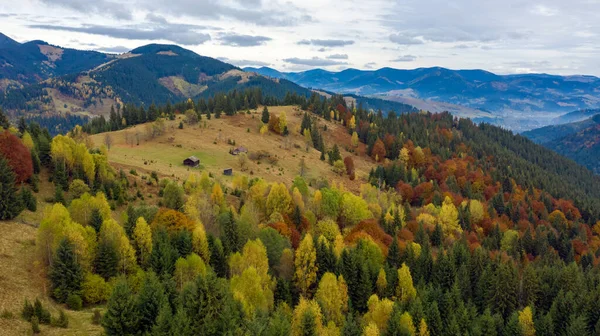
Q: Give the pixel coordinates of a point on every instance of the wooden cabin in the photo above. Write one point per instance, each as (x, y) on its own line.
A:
(238, 150)
(192, 161)
(228, 172)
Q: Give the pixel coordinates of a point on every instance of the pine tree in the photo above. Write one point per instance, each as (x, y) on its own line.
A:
(107, 259)
(11, 204)
(393, 257)
(149, 301)
(65, 274)
(437, 236)
(218, 259)
(351, 326)
(121, 317)
(60, 175)
(164, 321)
(96, 219)
(265, 116)
(231, 236)
(4, 120)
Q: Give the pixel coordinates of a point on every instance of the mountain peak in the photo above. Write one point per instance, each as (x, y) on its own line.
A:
(7, 41)
(164, 49)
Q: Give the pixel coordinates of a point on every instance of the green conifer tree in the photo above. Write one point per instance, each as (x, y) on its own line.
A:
(65, 273)
(121, 317)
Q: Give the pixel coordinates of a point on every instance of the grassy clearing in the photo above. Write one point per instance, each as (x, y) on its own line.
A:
(20, 280)
(209, 142)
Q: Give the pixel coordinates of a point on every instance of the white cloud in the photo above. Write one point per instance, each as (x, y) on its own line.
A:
(490, 35)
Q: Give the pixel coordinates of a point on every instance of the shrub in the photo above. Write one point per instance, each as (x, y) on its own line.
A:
(6, 314)
(95, 289)
(42, 314)
(28, 199)
(35, 325)
(97, 317)
(27, 312)
(62, 321)
(74, 302)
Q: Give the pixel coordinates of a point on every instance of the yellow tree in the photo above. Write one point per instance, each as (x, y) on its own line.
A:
(371, 330)
(81, 208)
(405, 290)
(297, 198)
(191, 184)
(404, 156)
(282, 121)
(526, 322)
(250, 291)
(279, 200)
(477, 211)
(27, 140)
(448, 217)
(305, 264)
(200, 242)
(142, 237)
(114, 233)
(188, 269)
(381, 282)
(354, 209)
(379, 312)
(217, 197)
(423, 329)
(352, 123)
(306, 309)
(406, 322)
(354, 139)
(332, 296)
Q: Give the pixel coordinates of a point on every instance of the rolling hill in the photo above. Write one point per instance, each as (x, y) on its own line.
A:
(579, 141)
(506, 96)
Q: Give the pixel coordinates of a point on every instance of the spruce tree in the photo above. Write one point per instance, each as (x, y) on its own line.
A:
(11, 204)
(96, 220)
(351, 326)
(218, 259)
(393, 257)
(149, 301)
(65, 274)
(265, 116)
(107, 259)
(164, 321)
(121, 317)
(4, 120)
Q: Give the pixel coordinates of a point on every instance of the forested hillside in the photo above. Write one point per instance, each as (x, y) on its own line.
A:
(458, 229)
(579, 141)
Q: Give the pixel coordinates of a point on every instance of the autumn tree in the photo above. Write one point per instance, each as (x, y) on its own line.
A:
(349, 163)
(378, 152)
(379, 311)
(279, 199)
(448, 217)
(526, 322)
(142, 238)
(306, 269)
(332, 296)
(17, 155)
(405, 290)
(307, 318)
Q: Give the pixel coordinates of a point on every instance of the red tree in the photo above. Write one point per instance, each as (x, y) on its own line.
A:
(18, 156)
(378, 152)
(349, 163)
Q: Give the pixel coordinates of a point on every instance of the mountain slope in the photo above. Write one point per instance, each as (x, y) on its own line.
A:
(579, 141)
(475, 89)
(34, 61)
(575, 116)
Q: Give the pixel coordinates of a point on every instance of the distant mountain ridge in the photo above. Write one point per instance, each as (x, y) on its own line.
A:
(477, 89)
(34, 61)
(42, 79)
(579, 141)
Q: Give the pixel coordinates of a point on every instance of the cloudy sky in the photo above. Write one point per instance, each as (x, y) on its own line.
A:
(508, 36)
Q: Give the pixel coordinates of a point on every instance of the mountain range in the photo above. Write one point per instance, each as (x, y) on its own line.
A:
(507, 99)
(38, 78)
